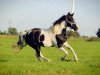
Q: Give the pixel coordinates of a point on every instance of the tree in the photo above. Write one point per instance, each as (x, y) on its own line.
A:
(4, 33)
(0, 32)
(12, 31)
(98, 33)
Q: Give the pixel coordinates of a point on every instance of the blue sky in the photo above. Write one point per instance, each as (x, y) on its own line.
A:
(27, 14)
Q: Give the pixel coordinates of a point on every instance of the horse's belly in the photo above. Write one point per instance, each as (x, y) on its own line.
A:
(47, 42)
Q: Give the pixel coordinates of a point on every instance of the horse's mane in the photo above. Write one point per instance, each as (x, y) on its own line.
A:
(63, 18)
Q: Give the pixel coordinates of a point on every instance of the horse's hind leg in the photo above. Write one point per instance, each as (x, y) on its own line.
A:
(36, 47)
(44, 57)
(69, 47)
(39, 54)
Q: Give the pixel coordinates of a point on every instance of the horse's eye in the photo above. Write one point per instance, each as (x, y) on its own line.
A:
(69, 19)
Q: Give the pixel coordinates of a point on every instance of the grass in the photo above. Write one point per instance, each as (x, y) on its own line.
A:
(25, 62)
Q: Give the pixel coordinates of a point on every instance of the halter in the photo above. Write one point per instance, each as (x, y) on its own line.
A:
(70, 22)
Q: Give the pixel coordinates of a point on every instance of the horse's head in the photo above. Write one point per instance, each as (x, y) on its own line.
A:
(71, 22)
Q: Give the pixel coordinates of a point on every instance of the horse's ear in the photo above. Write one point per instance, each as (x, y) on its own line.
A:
(68, 13)
(72, 14)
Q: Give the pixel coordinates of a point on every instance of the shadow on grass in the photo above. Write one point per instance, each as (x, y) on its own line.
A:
(68, 60)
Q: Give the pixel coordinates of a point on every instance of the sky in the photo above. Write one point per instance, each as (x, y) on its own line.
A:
(28, 14)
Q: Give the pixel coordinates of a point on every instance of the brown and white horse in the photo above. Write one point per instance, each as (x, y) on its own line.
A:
(53, 36)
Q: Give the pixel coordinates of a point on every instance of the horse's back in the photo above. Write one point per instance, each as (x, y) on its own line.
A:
(39, 36)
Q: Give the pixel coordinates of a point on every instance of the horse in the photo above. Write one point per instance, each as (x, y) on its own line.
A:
(53, 36)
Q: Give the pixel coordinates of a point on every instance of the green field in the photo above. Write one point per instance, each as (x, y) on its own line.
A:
(26, 63)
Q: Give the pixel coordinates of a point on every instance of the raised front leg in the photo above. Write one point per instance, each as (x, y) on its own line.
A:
(69, 47)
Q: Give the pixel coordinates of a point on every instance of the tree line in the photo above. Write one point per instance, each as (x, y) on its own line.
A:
(10, 31)
(13, 31)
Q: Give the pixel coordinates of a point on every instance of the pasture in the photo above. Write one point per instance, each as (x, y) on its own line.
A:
(26, 63)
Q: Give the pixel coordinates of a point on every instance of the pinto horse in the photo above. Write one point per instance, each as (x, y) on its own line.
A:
(53, 36)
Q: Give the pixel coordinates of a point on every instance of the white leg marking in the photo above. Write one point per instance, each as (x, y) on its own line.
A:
(68, 46)
(66, 53)
(44, 57)
(62, 49)
(39, 58)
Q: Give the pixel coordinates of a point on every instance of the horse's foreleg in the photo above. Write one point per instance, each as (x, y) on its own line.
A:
(66, 53)
(69, 47)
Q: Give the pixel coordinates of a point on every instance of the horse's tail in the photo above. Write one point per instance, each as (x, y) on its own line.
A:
(21, 42)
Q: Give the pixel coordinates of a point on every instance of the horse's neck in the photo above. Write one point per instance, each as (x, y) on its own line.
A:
(57, 29)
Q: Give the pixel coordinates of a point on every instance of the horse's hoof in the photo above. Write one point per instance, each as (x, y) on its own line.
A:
(49, 60)
(76, 59)
(63, 58)
(45, 59)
